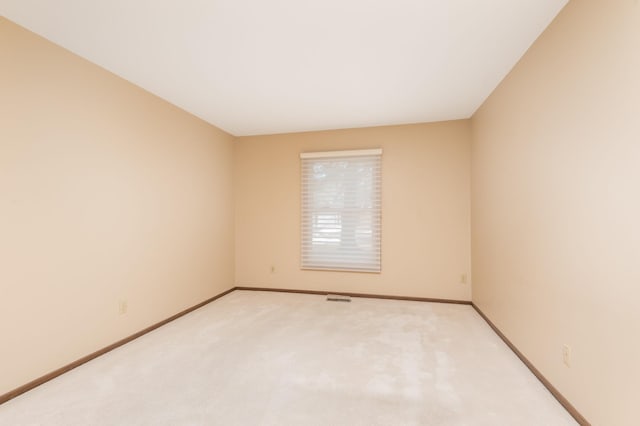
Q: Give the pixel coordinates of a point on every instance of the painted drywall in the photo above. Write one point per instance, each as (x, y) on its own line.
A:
(425, 210)
(108, 193)
(555, 207)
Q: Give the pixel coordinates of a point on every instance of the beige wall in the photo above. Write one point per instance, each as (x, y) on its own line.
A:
(556, 204)
(425, 210)
(106, 193)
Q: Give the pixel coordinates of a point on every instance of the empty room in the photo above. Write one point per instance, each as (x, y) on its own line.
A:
(304, 212)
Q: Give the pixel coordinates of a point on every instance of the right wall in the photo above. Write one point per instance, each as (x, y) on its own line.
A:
(556, 207)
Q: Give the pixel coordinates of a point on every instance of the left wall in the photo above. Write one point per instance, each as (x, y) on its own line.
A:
(108, 194)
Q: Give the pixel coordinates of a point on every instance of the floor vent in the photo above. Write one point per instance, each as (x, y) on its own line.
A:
(338, 298)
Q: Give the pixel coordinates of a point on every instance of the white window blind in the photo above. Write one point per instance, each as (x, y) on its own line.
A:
(341, 198)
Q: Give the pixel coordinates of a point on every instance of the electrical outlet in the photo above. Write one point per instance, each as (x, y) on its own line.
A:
(463, 278)
(566, 355)
(122, 307)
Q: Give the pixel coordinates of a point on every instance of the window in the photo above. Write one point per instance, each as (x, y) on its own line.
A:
(341, 210)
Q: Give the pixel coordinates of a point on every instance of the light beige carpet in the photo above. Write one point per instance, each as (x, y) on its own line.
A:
(259, 358)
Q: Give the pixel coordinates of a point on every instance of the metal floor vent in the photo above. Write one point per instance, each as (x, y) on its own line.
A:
(338, 298)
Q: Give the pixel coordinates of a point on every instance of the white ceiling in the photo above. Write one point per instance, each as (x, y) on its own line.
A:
(275, 66)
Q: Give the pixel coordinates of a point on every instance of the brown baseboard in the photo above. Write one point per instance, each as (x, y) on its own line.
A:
(557, 395)
(52, 375)
(370, 296)
(39, 381)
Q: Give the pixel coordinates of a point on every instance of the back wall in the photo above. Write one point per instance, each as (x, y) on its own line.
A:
(425, 210)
